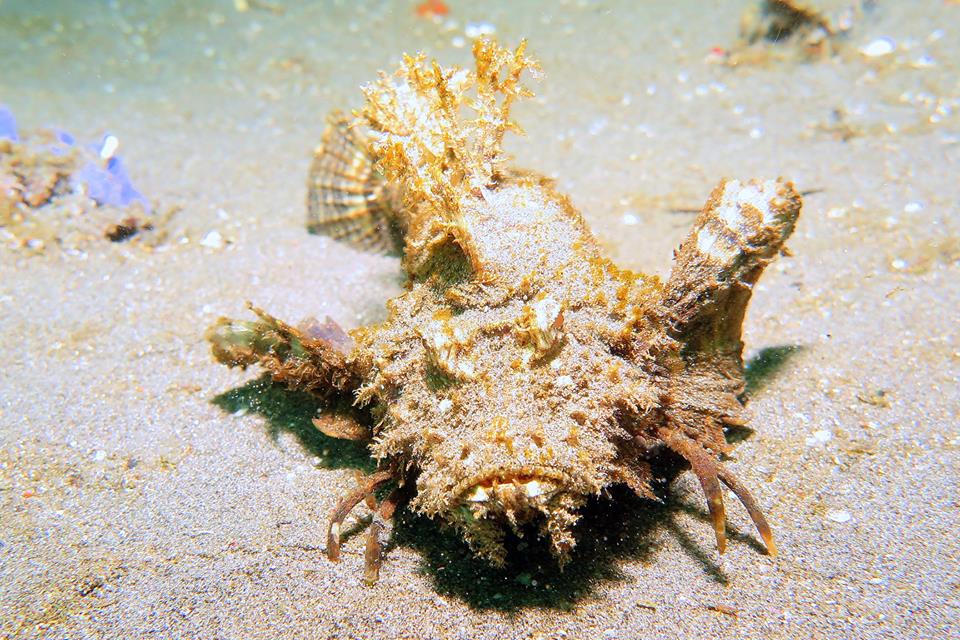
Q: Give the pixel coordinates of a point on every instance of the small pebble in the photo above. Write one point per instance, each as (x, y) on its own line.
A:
(644, 129)
(838, 516)
(879, 47)
(597, 126)
(630, 219)
(913, 207)
(477, 29)
(212, 240)
(819, 437)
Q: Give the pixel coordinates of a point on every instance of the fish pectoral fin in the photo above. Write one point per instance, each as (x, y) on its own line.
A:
(294, 357)
(342, 427)
(347, 196)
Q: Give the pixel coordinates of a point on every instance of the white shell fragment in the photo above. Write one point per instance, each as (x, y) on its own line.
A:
(109, 147)
(446, 346)
(913, 207)
(543, 323)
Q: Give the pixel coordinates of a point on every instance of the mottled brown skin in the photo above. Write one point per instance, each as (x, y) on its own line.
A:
(522, 371)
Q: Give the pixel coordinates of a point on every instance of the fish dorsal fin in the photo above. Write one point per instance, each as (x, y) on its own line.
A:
(442, 162)
(347, 196)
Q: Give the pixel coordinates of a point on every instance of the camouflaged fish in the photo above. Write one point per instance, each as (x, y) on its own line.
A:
(522, 371)
(807, 29)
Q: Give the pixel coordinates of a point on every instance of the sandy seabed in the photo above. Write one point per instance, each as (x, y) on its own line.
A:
(147, 492)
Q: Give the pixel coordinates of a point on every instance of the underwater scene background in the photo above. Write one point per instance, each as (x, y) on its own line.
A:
(153, 177)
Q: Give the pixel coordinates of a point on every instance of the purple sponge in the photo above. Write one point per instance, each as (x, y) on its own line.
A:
(102, 176)
(108, 183)
(8, 126)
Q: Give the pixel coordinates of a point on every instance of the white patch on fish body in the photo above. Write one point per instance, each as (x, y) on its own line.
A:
(707, 243)
(534, 489)
(732, 217)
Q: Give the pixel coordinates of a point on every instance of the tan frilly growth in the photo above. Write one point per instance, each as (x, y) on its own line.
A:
(436, 158)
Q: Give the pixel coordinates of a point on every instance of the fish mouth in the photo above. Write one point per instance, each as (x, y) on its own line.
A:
(492, 502)
(517, 495)
(512, 494)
